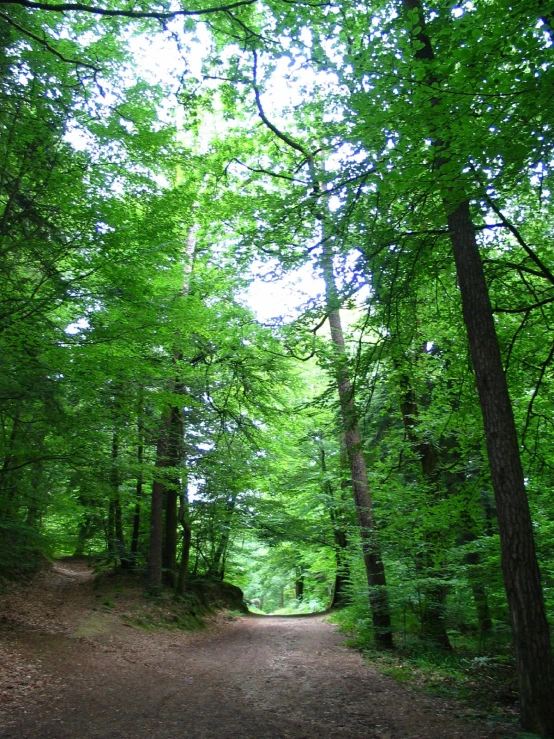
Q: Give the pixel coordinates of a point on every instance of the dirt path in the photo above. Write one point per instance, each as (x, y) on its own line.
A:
(250, 678)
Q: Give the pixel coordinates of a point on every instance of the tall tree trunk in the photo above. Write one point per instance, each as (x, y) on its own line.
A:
(217, 566)
(299, 586)
(7, 485)
(156, 510)
(473, 561)
(375, 571)
(82, 536)
(163, 549)
(185, 557)
(534, 663)
(342, 574)
(138, 494)
(119, 548)
(34, 507)
(187, 538)
(519, 562)
(433, 623)
(172, 445)
(173, 491)
(110, 531)
(480, 599)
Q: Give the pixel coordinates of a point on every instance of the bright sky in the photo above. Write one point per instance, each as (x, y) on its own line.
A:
(284, 298)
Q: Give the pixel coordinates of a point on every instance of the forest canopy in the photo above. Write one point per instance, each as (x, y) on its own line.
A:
(381, 438)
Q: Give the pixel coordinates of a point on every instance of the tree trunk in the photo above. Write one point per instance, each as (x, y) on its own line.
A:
(136, 515)
(185, 556)
(342, 574)
(172, 452)
(535, 667)
(433, 623)
(217, 565)
(172, 492)
(7, 487)
(156, 511)
(110, 532)
(170, 539)
(82, 536)
(34, 508)
(299, 587)
(519, 563)
(119, 548)
(187, 538)
(375, 571)
(484, 620)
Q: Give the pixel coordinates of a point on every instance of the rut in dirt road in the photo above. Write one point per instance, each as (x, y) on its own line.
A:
(254, 678)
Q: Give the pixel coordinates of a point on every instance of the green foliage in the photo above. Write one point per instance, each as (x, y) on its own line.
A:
(128, 236)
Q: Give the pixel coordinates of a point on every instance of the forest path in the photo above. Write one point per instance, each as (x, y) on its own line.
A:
(248, 678)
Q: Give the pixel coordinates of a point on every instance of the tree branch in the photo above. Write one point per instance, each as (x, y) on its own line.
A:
(524, 308)
(43, 42)
(544, 367)
(283, 136)
(96, 10)
(547, 274)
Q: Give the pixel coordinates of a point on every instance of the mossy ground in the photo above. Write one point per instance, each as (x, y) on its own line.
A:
(124, 593)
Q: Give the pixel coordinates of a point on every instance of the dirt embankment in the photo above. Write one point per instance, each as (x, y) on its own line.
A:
(73, 668)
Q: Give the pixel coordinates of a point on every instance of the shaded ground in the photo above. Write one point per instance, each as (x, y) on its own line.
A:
(79, 673)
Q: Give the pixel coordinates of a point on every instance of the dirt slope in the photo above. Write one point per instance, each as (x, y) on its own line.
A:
(82, 674)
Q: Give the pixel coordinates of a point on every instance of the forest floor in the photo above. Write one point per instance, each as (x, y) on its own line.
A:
(74, 664)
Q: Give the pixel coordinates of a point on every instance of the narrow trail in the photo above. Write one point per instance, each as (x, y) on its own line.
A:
(249, 678)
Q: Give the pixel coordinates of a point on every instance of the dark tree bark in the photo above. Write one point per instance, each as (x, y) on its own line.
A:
(535, 667)
(519, 562)
(375, 571)
(299, 587)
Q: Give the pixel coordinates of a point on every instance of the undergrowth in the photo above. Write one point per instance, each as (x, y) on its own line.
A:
(123, 593)
(483, 681)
